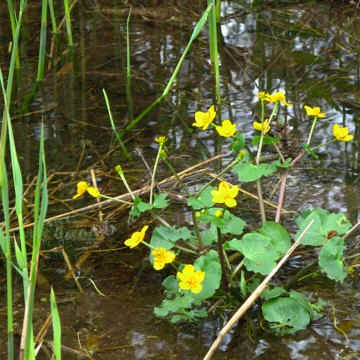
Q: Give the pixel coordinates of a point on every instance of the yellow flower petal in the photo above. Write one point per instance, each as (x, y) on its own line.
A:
(190, 279)
(277, 97)
(262, 95)
(265, 126)
(93, 191)
(204, 119)
(230, 203)
(225, 194)
(161, 139)
(227, 129)
(162, 257)
(342, 134)
(82, 186)
(314, 111)
(136, 238)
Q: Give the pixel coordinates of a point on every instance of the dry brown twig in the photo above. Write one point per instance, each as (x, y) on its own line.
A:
(182, 174)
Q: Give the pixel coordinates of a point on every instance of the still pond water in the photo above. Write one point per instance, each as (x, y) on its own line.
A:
(311, 50)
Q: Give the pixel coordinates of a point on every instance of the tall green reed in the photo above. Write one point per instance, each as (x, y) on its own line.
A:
(28, 271)
(12, 15)
(113, 126)
(43, 35)
(53, 17)
(5, 236)
(40, 210)
(128, 71)
(5, 244)
(56, 326)
(68, 22)
(213, 48)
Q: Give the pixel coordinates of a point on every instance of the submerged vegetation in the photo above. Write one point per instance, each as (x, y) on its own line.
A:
(218, 258)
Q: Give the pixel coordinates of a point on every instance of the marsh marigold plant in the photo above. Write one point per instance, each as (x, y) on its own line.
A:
(190, 279)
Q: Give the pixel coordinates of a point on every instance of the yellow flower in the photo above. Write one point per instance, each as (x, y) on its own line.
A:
(190, 279)
(264, 127)
(227, 128)
(204, 119)
(162, 257)
(342, 134)
(83, 186)
(314, 111)
(219, 213)
(278, 96)
(161, 139)
(262, 95)
(136, 238)
(225, 194)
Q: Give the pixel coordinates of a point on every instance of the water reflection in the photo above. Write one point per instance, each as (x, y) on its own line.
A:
(309, 51)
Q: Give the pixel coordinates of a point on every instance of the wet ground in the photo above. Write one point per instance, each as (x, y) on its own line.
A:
(311, 50)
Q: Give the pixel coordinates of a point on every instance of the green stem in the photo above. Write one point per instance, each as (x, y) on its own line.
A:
(43, 35)
(120, 172)
(116, 132)
(154, 172)
(177, 246)
(220, 250)
(258, 155)
(68, 22)
(326, 143)
(312, 130)
(118, 200)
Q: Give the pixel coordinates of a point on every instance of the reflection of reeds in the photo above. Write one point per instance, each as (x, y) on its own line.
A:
(52, 16)
(213, 46)
(68, 22)
(42, 48)
(197, 29)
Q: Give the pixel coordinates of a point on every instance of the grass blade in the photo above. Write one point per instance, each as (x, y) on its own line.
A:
(128, 71)
(118, 137)
(6, 249)
(68, 22)
(214, 54)
(43, 34)
(56, 325)
(52, 17)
